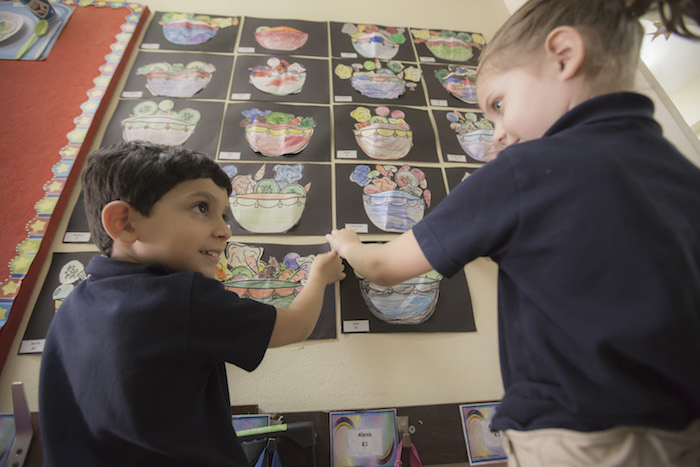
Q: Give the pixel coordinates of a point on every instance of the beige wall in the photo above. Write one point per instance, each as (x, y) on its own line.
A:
(353, 371)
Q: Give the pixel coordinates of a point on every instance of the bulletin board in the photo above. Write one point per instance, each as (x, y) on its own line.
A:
(319, 125)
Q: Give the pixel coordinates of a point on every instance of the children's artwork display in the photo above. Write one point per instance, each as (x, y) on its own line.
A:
(319, 125)
(483, 445)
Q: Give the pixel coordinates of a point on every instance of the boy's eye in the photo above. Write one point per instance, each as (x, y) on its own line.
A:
(200, 208)
(497, 104)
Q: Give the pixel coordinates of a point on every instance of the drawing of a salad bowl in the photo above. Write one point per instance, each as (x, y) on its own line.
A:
(275, 134)
(278, 77)
(383, 136)
(269, 205)
(190, 29)
(393, 211)
(268, 212)
(177, 80)
(394, 198)
(478, 144)
(159, 123)
(475, 136)
(275, 292)
(370, 41)
(459, 82)
(410, 302)
(372, 80)
(449, 45)
(243, 271)
(280, 38)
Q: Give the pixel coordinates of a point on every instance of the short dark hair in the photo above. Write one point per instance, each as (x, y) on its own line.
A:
(139, 173)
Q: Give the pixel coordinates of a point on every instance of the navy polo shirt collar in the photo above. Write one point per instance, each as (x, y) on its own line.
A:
(606, 107)
(102, 266)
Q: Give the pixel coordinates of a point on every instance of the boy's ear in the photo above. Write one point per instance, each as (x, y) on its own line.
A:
(565, 49)
(117, 220)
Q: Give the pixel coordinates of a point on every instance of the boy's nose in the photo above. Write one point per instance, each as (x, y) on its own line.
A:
(499, 135)
(223, 230)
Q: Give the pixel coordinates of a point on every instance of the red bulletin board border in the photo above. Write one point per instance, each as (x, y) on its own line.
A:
(16, 285)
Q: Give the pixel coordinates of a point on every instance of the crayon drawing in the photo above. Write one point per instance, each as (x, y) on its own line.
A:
(475, 135)
(372, 80)
(448, 45)
(160, 123)
(274, 134)
(176, 80)
(394, 198)
(459, 82)
(382, 136)
(268, 205)
(283, 38)
(371, 41)
(278, 77)
(191, 29)
(410, 302)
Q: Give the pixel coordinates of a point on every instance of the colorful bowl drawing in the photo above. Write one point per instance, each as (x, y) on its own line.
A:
(188, 31)
(449, 48)
(274, 292)
(278, 77)
(384, 141)
(267, 212)
(277, 140)
(478, 144)
(375, 45)
(383, 84)
(157, 129)
(280, 38)
(410, 302)
(159, 123)
(393, 211)
(177, 80)
(459, 82)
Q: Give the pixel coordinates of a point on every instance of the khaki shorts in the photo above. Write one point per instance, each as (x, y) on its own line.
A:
(619, 447)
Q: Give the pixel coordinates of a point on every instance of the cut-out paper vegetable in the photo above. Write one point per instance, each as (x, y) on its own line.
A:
(262, 205)
(281, 38)
(475, 135)
(191, 29)
(278, 77)
(394, 198)
(71, 274)
(275, 134)
(449, 45)
(371, 80)
(176, 80)
(243, 271)
(371, 41)
(160, 123)
(410, 302)
(458, 81)
(384, 135)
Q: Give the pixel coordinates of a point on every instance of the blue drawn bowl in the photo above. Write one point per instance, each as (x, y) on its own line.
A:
(393, 211)
(478, 144)
(410, 302)
(378, 86)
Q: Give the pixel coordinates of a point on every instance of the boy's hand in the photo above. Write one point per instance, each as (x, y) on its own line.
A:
(341, 240)
(327, 267)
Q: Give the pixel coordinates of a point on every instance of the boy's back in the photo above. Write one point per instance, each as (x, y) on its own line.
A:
(135, 363)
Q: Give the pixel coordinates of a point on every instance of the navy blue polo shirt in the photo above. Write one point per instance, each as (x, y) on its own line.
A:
(596, 231)
(133, 368)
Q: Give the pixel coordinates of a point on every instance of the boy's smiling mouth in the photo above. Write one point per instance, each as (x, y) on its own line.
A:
(213, 253)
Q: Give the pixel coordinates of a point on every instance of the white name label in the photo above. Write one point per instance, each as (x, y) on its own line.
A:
(150, 46)
(76, 237)
(359, 228)
(457, 158)
(346, 154)
(356, 326)
(132, 94)
(365, 442)
(229, 156)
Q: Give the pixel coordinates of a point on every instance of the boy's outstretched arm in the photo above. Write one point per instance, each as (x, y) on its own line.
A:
(384, 264)
(295, 324)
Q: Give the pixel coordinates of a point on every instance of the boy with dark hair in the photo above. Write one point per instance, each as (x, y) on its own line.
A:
(133, 368)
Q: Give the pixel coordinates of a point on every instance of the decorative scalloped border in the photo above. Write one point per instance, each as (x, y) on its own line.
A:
(36, 228)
